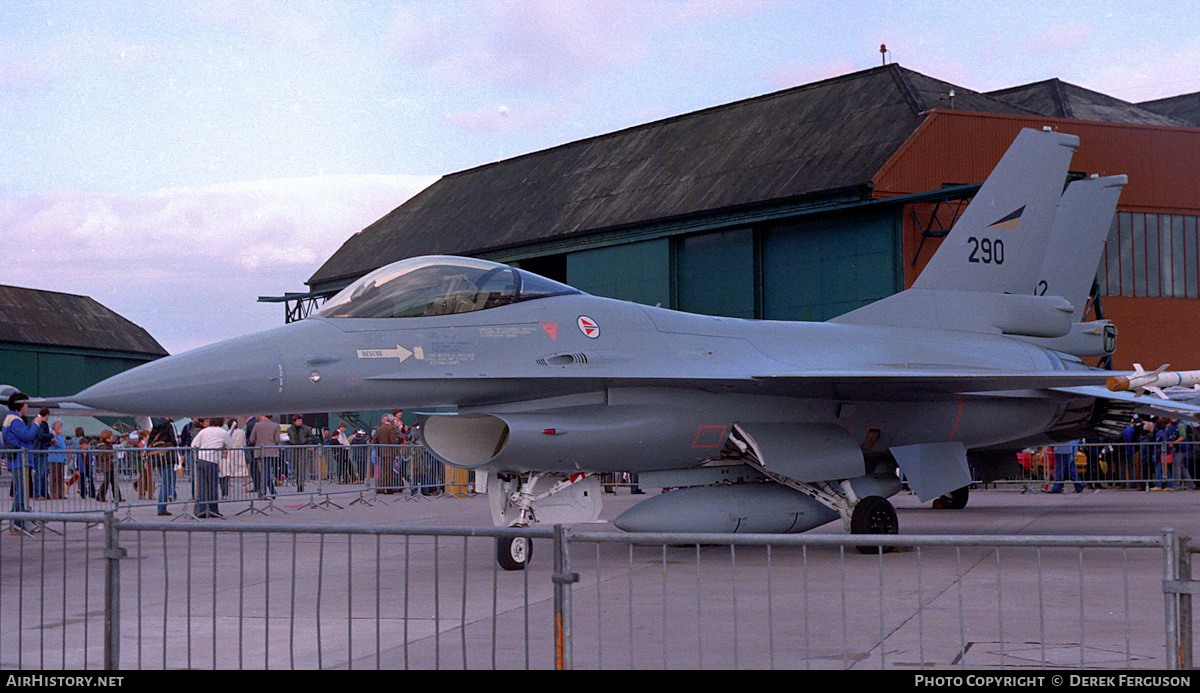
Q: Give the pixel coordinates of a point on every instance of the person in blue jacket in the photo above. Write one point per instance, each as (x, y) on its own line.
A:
(1064, 466)
(40, 459)
(18, 439)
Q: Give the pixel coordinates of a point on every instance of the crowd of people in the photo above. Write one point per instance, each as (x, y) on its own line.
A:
(256, 455)
(219, 457)
(1154, 453)
(234, 457)
(1160, 449)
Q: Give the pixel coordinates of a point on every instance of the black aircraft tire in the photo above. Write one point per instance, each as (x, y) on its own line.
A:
(513, 553)
(874, 515)
(955, 500)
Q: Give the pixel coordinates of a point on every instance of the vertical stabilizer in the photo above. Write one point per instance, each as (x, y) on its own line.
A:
(1081, 226)
(999, 243)
(985, 276)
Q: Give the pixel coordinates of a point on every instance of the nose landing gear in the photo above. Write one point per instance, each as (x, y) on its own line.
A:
(513, 553)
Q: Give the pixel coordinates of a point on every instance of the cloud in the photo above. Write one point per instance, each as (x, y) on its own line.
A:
(550, 53)
(1069, 37)
(73, 56)
(536, 43)
(513, 44)
(188, 264)
(21, 69)
(489, 119)
(296, 24)
(1153, 73)
(709, 10)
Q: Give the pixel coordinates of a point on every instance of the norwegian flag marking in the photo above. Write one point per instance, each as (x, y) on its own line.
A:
(588, 327)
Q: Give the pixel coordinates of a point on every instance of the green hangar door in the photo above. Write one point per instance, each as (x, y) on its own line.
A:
(812, 269)
(638, 272)
(818, 269)
(715, 274)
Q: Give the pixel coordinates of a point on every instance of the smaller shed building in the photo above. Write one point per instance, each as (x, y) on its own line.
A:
(54, 344)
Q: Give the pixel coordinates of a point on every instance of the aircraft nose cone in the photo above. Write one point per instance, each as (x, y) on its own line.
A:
(238, 376)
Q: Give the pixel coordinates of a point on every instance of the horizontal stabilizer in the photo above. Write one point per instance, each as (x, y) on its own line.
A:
(969, 311)
(1149, 406)
(1085, 340)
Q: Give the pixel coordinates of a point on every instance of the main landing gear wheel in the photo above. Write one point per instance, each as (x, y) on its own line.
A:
(874, 515)
(513, 553)
(955, 500)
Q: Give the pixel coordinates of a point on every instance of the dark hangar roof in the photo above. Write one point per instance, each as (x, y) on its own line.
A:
(1054, 97)
(50, 318)
(1185, 107)
(826, 136)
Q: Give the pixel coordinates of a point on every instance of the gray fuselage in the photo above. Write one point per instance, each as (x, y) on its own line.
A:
(593, 384)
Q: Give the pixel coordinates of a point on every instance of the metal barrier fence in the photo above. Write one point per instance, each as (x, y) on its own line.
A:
(945, 602)
(100, 593)
(122, 478)
(1148, 465)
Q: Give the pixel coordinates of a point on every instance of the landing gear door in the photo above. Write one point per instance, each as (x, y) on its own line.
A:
(570, 503)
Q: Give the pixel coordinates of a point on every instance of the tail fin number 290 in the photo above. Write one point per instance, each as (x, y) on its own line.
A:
(987, 251)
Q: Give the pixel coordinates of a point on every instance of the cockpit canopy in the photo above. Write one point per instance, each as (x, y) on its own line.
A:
(438, 285)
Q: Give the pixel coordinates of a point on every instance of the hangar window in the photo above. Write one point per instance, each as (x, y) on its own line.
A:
(1151, 255)
(438, 285)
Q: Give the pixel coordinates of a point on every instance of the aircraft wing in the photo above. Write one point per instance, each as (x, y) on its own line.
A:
(949, 381)
(1143, 404)
(886, 383)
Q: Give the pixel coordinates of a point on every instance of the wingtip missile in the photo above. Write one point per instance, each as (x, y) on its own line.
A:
(1142, 381)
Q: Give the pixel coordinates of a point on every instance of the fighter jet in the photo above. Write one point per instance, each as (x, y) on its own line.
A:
(756, 426)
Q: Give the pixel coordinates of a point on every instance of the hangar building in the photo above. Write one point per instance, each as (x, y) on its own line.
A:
(54, 344)
(809, 202)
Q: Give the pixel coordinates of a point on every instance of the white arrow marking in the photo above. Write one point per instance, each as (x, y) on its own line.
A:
(398, 353)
